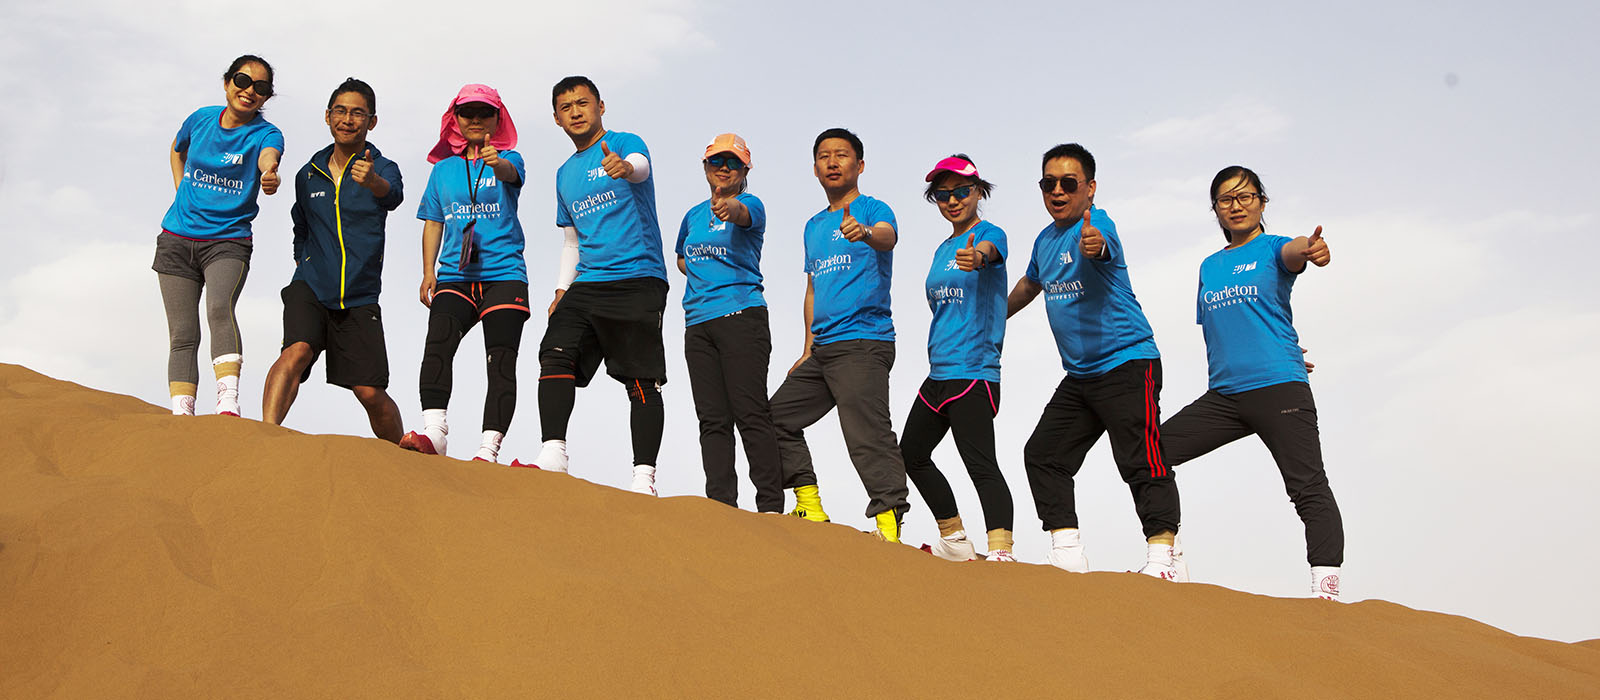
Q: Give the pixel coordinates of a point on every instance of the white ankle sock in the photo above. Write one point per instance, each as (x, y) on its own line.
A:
(1325, 582)
(489, 449)
(183, 405)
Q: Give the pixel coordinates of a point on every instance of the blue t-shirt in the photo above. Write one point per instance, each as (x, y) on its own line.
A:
(723, 261)
(1243, 309)
(497, 235)
(969, 310)
(849, 280)
(1097, 322)
(619, 236)
(221, 175)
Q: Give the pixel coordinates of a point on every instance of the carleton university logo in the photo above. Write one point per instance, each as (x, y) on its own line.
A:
(1066, 258)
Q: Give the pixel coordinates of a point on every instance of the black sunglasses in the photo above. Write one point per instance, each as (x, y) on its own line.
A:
(243, 81)
(725, 160)
(1068, 184)
(959, 192)
(476, 110)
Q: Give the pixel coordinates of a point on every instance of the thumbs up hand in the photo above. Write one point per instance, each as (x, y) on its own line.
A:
(487, 152)
(270, 179)
(1089, 239)
(719, 205)
(851, 229)
(1316, 251)
(361, 170)
(615, 167)
(968, 258)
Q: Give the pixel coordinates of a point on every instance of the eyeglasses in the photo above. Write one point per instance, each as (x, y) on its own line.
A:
(243, 81)
(476, 110)
(339, 112)
(1244, 199)
(1068, 184)
(724, 160)
(959, 193)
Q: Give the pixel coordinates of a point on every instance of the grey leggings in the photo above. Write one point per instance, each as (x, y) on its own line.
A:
(224, 280)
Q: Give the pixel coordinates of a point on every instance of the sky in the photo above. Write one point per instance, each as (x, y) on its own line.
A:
(1447, 154)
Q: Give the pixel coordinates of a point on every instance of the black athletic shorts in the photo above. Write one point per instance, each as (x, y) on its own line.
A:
(352, 337)
(618, 321)
(487, 296)
(188, 257)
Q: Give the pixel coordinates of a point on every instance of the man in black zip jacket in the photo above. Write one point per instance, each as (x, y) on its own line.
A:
(342, 201)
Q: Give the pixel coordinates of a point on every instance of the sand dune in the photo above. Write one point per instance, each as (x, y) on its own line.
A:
(143, 555)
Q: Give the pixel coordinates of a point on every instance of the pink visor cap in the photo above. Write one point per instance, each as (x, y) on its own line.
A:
(451, 142)
(959, 166)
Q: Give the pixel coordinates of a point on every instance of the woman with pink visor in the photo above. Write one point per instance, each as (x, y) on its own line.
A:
(966, 289)
(472, 264)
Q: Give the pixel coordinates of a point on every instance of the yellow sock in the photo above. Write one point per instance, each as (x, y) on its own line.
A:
(1000, 539)
(1165, 537)
(949, 526)
(226, 369)
(180, 388)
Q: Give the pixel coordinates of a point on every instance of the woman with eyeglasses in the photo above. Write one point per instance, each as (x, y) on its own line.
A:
(727, 342)
(966, 289)
(1258, 383)
(472, 264)
(221, 158)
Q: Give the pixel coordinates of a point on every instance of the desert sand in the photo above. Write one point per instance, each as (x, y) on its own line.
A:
(145, 555)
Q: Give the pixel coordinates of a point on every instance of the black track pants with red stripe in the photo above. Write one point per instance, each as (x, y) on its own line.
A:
(1125, 404)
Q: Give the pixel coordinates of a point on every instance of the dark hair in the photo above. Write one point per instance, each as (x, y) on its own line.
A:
(570, 83)
(839, 133)
(241, 61)
(359, 87)
(1073, 151)
(984, 186)
(1250, 178)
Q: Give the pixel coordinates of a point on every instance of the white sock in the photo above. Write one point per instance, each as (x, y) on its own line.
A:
(228, 384)
(1325, 582)
(1159, 554)
(183, 405)
(489, 449)
(433, 420)
(1065, 537)
(552, 456)
(644, 479)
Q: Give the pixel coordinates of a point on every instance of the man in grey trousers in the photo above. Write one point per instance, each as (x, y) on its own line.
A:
(849, 341)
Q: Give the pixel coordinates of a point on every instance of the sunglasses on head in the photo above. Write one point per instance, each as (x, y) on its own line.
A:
(959, 193)
(243, 81)
(476, 110)
(1068, 184)
(725, 160)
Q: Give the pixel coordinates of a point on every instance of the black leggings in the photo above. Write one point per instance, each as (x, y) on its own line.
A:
(1285, 417)
(449, 319)
(966, 407)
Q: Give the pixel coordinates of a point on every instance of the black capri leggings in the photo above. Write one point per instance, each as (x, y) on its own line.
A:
(449, 319)
(966, 407)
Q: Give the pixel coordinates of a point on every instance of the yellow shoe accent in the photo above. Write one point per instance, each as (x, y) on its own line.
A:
(888, 526)
(808, 504)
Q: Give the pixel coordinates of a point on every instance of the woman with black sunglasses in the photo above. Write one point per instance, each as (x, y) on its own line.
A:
(966, 289)
(221, 158)
(472, 264)
(1258, 383)
(727, 342)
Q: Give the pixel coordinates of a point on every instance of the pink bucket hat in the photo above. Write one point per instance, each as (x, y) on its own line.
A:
(451, 142)
(959, 166)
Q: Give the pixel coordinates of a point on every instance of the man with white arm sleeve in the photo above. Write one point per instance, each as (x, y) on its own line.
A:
(612, 287)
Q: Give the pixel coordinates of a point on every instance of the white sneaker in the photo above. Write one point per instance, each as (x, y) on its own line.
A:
(1158, 563)
(1179, 566)
(1066, 551)
(1004, 555)
(644, 479)
(552, 457)
(228, 398)
(1325, 582)
(954, 547)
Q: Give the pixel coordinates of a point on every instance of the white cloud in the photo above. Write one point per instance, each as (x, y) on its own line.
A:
(1237, 122)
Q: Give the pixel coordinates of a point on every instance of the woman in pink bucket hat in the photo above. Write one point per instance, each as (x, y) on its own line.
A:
(472, 263)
